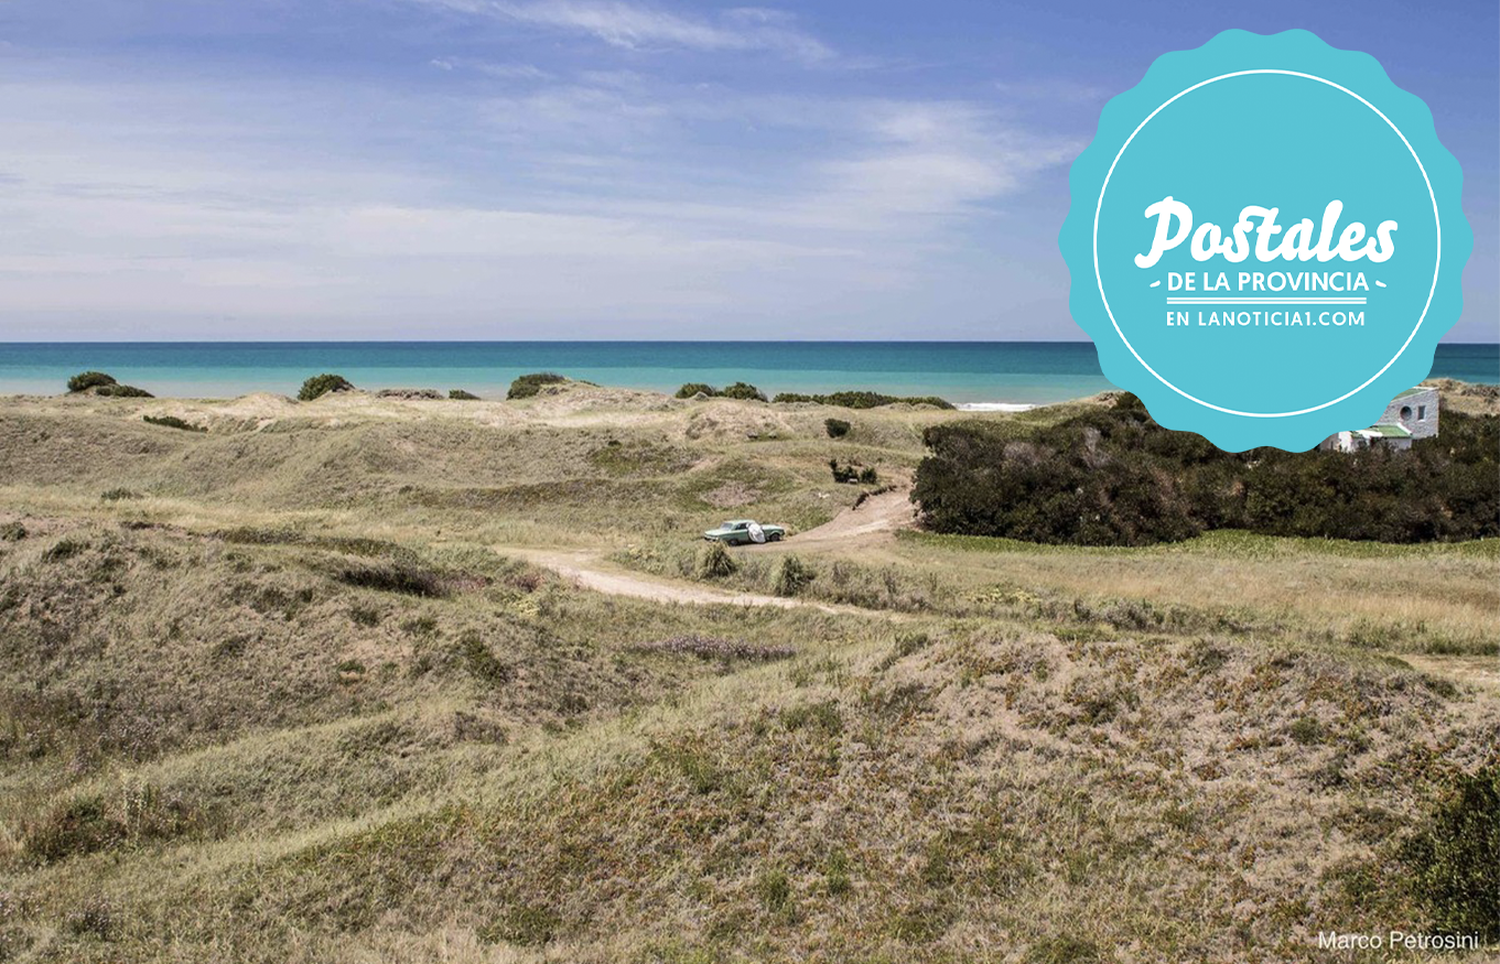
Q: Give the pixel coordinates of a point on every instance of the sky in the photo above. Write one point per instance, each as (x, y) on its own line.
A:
(609, 169)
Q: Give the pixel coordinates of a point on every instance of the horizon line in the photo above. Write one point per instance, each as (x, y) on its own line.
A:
(605, 341)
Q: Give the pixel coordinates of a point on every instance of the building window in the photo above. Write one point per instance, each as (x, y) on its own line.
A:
(1421, 413)
(1406, 413)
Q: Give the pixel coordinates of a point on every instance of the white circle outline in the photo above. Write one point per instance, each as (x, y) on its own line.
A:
(1437, 220)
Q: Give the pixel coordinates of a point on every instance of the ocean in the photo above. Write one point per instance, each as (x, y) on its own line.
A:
(975, 374)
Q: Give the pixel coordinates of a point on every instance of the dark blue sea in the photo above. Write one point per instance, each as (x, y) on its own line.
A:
(983, 373)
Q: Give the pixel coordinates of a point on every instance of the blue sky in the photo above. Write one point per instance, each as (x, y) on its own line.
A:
(413, 169)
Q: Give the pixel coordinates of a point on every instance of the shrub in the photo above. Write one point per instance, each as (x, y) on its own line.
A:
(12, 532)
(696, 388)
(1451, 859)
(862, 399)
(323, 384)
(91, 823)
(393, 576)
(528, 385)
(791, 576)
(118, 495)
(835, 427)
(852, 473)
(123, 391)
(86, 380)
(172, 421)
(745, 391)
(714, 562)
(1115, 477)
(715, 647)
(93, 918)
(481, 662)
(459, 395)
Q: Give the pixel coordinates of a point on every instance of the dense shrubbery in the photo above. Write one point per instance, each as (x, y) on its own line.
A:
(741, 390)
(101, 384)
(123, 391)
(459, 395)
(863, 399)
(322, 385)
(86, 380)
(172, 421)
(1114, 477)
(528, 385)
(1452, 858)
(744, 391)
(853, 473)
(836, 427)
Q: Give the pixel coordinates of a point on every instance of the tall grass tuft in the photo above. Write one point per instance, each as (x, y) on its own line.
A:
(714, 562)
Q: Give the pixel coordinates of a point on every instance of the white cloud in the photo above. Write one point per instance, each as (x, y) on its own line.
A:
(571, 208)
(490, 69)
(635, 26)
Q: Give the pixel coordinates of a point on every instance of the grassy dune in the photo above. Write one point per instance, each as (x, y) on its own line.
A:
(285, 690)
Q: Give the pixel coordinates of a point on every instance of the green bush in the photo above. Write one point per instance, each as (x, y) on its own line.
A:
(123, 391)
(172, 421)
(528, 385)
(852, 473)
(696, 388)
(86, 380)
(745, 391)
(835, 427)
(791, 576)
(117, 495)
(459, 395)
(1114, 477)
(1452, 861)
(714, 562)
(323, 384)
(862, 399)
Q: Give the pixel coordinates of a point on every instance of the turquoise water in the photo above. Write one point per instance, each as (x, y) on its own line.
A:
(1024, 373)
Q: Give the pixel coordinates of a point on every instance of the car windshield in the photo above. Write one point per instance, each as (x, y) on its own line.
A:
(729, 525)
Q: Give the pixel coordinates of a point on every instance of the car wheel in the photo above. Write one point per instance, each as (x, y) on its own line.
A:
(774, 537)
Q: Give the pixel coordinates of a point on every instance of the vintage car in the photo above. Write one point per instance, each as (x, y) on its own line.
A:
(738, 532)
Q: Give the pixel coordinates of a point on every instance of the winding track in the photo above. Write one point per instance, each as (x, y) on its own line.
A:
(876, 520)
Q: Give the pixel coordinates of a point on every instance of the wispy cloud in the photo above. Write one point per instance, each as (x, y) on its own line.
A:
(638, 27)
(490, 69)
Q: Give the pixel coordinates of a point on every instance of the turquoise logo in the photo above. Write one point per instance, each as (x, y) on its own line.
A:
(1266, 240)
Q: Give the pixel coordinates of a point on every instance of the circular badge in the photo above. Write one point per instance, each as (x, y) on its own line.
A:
(1266, 240)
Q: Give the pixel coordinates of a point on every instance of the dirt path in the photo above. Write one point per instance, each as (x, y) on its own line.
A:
(876, 519)
(587, 569)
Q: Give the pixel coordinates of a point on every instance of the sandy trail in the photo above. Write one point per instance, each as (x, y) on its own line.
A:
(585, 568)
(876, 519)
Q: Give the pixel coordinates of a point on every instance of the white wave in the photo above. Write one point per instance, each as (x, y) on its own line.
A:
(995, 407)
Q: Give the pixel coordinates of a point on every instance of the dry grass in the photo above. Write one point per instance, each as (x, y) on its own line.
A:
(285, 707)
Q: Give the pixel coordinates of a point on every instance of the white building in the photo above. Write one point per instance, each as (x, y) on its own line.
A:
(1411, 415)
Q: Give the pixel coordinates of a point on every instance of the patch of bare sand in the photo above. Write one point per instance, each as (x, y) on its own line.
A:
(873, 521)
